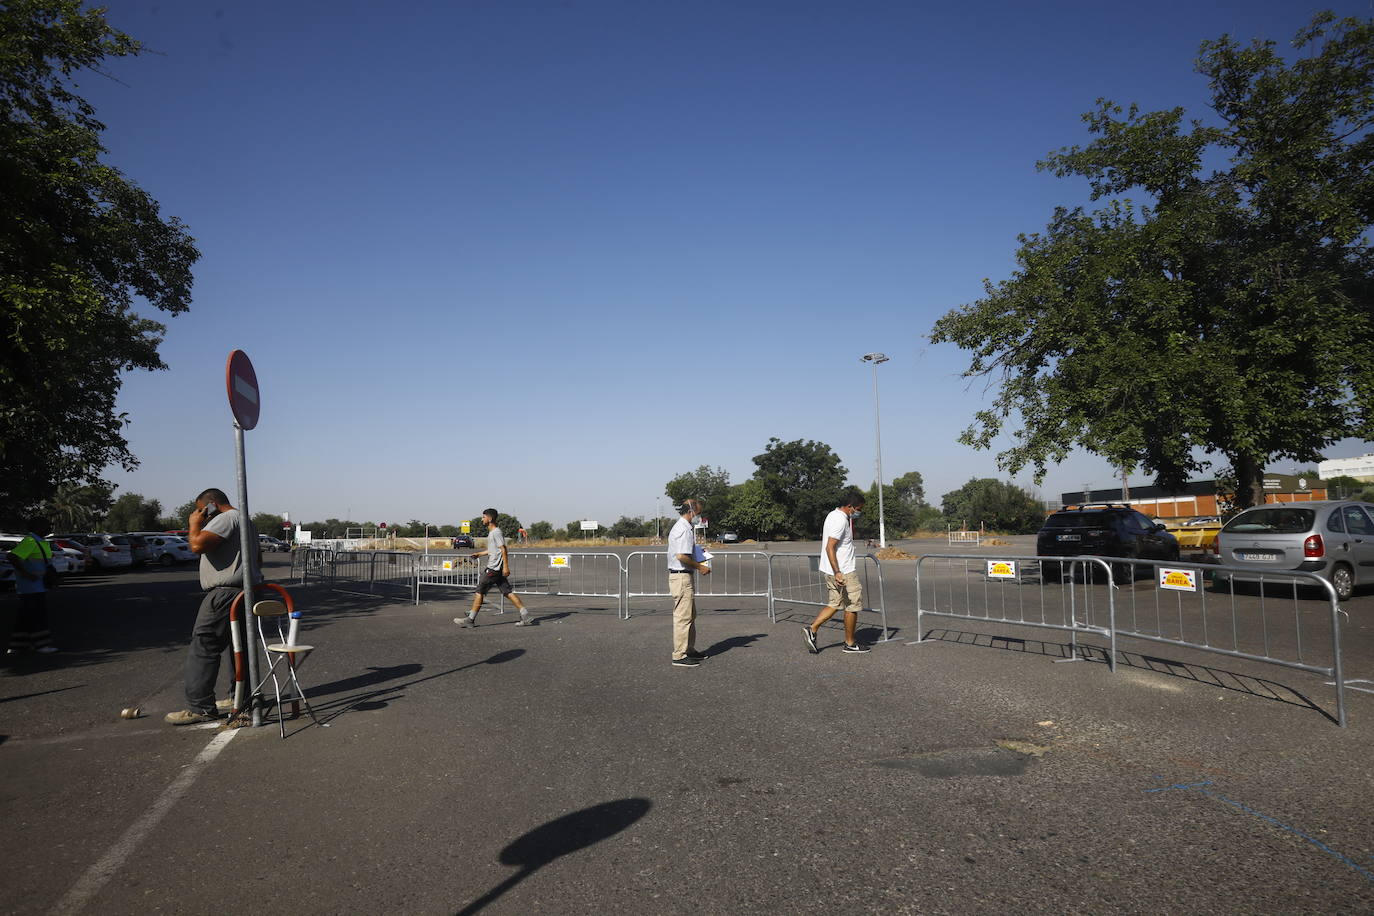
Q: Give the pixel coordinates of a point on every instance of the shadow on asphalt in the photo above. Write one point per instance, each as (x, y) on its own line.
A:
(380, 699)
(734, 642)
(1248, 684)
(560, 837)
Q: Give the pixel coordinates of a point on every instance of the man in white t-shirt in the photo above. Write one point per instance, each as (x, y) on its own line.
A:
(683, 561)
(842, 588)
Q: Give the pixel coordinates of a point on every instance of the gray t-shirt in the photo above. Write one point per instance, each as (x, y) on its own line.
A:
(222, 565)
(495, 541)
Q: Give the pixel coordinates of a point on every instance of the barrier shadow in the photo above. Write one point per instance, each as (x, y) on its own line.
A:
(558, 838)
(1234, 681)
(380, 699)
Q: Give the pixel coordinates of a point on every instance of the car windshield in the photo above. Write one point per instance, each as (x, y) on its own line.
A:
(1077, 520)
(120, 540)
(1272, 520)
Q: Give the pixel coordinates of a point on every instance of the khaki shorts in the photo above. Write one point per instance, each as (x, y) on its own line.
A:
(846, 597)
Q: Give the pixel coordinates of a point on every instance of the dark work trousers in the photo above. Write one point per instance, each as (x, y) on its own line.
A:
(209, 640)
(31, 625)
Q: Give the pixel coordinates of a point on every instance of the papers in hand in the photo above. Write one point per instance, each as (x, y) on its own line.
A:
(700, 554)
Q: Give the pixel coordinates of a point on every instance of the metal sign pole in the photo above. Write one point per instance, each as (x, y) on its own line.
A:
(249, 556)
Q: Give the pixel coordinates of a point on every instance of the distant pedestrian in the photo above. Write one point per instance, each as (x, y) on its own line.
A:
(842, 588)
(685, 558)
(30, 559)
(213, 533)
(495, 574)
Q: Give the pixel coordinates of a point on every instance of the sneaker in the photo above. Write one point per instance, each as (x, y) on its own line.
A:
(189, 717)
(525, 621)
(224, 705)
(697, 655)
(465, 621)
(810, 640)
(46, 650)
(686, 662)
(857, 647)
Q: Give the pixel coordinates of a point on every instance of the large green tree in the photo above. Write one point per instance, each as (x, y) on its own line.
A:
(993, 504)
(804, 479)
(753, 513)
(78, 243)
(710, 486)
(132, 512)
(1221, 301)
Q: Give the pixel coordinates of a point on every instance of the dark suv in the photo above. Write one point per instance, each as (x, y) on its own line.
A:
(1104, 530)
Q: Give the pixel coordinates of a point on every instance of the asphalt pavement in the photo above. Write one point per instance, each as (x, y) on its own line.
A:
(569, 768)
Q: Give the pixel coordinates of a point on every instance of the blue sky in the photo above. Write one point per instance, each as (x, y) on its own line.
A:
(547, 255)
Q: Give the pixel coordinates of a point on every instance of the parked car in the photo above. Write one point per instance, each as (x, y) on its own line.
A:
(1104, 530)
(138, 549)
(66, 560)
(109, 551)
(1332, 538)
(729, 537)
(68, 543)
(1203, 520)
(463, 540)
(168, 549)
(267, 542)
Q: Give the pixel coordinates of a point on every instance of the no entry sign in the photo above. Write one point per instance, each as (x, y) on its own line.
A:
(242, 383)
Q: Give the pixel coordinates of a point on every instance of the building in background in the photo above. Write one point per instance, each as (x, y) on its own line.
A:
(1201, 497)
(1361, 468)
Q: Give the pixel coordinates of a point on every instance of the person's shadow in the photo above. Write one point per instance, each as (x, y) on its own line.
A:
(559, 837)
(734, 642)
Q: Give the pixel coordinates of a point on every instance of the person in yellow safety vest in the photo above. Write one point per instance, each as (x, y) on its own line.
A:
(30, 559)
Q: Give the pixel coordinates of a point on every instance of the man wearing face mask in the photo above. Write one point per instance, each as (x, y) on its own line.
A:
(683, 562)
(842, 588)
(213, 533)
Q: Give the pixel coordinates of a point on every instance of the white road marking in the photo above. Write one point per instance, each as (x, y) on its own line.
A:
(101, 872)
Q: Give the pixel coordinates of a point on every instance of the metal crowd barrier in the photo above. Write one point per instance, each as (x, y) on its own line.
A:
(1280, 626)
(1166, 602)
(447, 570)
(589, 575)
(734, 574)
(980, 588)
(796, 579)
(378, 571)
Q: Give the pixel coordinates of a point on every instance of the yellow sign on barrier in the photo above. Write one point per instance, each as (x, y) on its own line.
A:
(448, 564)
(1001, 569)
(559, 561)
(1179, 580)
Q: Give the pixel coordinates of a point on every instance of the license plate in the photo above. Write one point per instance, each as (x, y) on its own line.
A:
(1069, 537)
(1261, 556)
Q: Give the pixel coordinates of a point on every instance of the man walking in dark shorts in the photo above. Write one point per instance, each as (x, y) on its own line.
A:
(496, 574)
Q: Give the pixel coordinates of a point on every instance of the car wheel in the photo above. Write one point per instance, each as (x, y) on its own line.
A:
(167, 559)
(1344, 581)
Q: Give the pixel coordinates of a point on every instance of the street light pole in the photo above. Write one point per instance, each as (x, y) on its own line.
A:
(876, 359)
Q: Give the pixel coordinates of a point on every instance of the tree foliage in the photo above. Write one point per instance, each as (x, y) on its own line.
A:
(753, 513)
(1229, 315)
(75, 508)
(710, 486)
(804, 479)
(902, 501)
(78, 243)
(132, 512)
(994, 504)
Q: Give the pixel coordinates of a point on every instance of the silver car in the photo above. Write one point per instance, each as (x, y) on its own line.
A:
(1334, 539)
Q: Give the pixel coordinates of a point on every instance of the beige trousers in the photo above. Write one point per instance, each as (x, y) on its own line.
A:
(683, 589)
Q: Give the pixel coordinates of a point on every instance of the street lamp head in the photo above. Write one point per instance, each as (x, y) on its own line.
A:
(875, 358)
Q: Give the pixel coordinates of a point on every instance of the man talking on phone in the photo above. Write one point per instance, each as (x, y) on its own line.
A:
(214, 535)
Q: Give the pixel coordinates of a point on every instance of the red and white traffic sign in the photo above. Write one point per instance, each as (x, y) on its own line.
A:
(242, 383)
